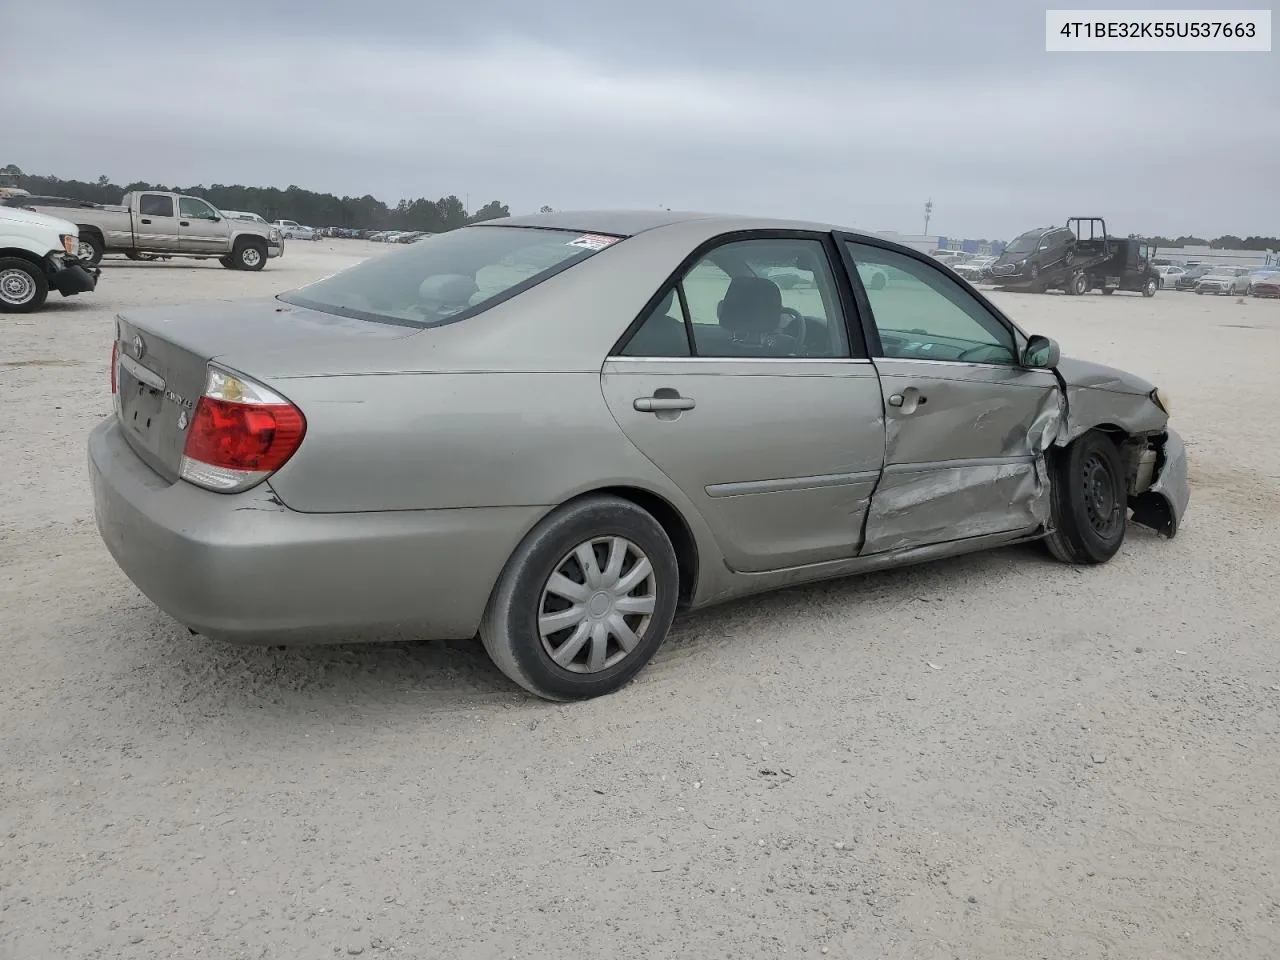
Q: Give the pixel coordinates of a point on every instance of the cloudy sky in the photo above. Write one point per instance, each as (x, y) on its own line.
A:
(847, 111)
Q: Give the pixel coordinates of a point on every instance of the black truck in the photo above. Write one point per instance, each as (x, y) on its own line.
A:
(1075, 258)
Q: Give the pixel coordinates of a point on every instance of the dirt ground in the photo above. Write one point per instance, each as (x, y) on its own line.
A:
(993, 757)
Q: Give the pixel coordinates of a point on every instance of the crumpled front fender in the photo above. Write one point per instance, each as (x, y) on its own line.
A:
(1164, 504)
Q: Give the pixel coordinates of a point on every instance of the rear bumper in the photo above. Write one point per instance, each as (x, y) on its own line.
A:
(246, 568)
(70, 277)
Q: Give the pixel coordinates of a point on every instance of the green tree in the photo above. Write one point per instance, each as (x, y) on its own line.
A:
(493, 210)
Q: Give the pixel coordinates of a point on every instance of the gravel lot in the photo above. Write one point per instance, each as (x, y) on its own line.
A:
(992, 757)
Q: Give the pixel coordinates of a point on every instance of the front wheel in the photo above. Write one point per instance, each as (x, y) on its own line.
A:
(1150, 289)
(90, 248)
(23, 286)
(1088, 501)
(248, 255)
(585, 601)
(1078, 285)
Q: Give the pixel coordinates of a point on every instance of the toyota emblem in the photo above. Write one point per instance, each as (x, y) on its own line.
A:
(139, 348)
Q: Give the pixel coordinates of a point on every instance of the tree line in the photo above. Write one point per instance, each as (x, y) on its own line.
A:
(272, 203)
(1228, 242)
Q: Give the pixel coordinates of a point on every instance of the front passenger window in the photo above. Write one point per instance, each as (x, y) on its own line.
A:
(922, 313)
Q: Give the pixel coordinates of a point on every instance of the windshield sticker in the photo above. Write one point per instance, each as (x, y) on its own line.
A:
(592, 241)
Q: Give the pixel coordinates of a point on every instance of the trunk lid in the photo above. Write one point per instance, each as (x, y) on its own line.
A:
(163, 354)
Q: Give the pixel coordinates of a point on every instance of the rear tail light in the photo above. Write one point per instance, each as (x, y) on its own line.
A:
(241, 432)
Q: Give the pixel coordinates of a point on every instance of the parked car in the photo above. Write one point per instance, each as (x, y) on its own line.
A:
(157, 223)
(1229, 280)
(39, 253)
(293, 230)
(242, 215)
(974, 270)
(557, 430)
(1188, 279)
(1169, 274)
(1264, 283)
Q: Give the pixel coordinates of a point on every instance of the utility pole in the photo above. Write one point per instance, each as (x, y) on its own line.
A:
(928, 212)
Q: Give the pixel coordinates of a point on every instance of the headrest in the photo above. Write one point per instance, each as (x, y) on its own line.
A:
(751, 305)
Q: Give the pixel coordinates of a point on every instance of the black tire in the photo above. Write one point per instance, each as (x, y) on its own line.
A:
(227, 262)
(1078, 285)
(92, 248)
(1149, 289)
(1088, 498)
(23, 286)
(510, 626)
(249, 255)
(1199, 291)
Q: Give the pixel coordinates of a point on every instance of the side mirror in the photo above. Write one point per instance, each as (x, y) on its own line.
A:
(1042, 353)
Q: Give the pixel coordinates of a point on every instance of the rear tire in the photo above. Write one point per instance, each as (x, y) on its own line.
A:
(1089, 502)
(248, 255)
(1078, 285)
(23, 286)
(520, 630)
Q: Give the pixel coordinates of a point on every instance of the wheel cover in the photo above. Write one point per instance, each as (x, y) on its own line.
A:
(1104, 509)
(17, 287)
(86, 250)
(250, 257)
(597, 605)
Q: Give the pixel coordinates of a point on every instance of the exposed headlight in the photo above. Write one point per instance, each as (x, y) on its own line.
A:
(70, 244)
(1161, 400)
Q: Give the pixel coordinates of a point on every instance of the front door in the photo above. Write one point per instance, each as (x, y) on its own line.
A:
(741, 386)
(155, 224)
(201, 229)
(967, 426)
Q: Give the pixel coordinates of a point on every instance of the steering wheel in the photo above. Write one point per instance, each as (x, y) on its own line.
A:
(797, 319)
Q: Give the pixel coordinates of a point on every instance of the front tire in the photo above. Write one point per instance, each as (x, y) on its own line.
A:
(91, 247)
(1089, 501)
(1150, 289)
(585, 601)
(23, 286)
(248, 255)
(1078, 285)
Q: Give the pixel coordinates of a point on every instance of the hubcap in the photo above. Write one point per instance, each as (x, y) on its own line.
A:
(17, 287)
(597, 605)
(251, 257)
(1101, 503)
(86, 250)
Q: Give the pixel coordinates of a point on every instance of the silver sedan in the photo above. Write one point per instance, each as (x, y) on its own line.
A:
(556, 431)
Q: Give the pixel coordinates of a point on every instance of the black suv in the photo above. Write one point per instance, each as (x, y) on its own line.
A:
(1032, 253)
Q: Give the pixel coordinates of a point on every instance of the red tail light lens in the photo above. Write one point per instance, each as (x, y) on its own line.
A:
(240, 433)
(115, 359)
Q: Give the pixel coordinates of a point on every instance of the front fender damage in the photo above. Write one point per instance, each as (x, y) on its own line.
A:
(1162, 505)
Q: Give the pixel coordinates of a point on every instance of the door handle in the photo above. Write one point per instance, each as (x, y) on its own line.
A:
(659, 404)
(146, 220)
(908, 401)
(184, 223)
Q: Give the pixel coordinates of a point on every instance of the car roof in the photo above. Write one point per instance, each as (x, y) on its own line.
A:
(628, 223)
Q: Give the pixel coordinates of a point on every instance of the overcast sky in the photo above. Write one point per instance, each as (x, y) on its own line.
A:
(848, 111)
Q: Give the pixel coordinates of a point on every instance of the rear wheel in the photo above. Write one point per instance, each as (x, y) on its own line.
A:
(1149, 290)
(23, 286)
(1078, 285)
(585, 601)
(1089, 502)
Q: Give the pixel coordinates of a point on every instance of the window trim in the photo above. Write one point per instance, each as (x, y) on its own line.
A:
(872, 333)
(855, 338)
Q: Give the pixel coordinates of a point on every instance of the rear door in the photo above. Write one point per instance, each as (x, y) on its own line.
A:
(155, 224)
(967, 426)
(740, 383)
(201, 229)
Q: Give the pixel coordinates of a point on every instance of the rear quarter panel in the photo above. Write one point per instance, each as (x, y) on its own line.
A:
(430, 441)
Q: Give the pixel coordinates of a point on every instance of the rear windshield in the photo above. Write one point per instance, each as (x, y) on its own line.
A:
(449, 276)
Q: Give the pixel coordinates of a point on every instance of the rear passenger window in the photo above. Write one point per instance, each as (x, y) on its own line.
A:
(663, 333)
(154, 205)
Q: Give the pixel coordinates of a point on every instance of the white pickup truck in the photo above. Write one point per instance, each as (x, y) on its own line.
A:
(152, 223)
(38, 254)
